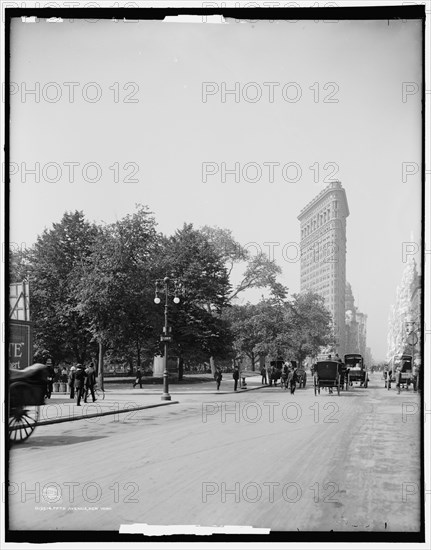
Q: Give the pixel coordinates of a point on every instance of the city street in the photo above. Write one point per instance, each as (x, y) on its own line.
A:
(261, 458)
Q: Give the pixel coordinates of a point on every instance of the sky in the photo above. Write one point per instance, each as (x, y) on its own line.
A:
(127, 113)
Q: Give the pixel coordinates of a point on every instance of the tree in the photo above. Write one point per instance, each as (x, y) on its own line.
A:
(196, 262)
(290, 329)
(116, 290)
(259, 272)
(54, 266)
(309, 325)
(256, 328)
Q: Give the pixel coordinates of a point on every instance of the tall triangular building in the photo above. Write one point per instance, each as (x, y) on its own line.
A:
(323, 253)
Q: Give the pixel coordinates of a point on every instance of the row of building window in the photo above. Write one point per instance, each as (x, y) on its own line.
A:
(320, 219)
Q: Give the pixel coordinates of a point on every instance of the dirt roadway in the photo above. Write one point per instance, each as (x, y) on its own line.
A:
(262, 458)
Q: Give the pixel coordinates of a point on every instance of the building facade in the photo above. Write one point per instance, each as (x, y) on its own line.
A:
(405, 314)
(323, 253)
(356, 328)
(352, 326)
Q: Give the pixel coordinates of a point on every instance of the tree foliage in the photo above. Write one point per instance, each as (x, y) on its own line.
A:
(93, 284)
(259, 271)
(54, 266)
(116, 290)
(290, 329)
(197, 263)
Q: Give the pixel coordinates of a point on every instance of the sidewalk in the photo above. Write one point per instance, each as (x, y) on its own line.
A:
(60, 408)
(208, 387)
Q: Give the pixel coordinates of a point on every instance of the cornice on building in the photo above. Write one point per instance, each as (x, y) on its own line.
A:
(333, 186)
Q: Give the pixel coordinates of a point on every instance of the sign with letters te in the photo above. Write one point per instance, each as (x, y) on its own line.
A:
(20, 344)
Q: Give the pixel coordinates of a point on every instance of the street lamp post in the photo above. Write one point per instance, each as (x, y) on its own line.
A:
(166, 337)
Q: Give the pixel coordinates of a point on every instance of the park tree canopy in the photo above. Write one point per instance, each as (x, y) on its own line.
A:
(54, 266)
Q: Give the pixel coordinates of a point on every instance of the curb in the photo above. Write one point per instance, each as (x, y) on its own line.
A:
(192, 392)
(107, 413)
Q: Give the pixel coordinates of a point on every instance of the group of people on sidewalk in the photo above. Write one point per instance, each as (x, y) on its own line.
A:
(218, 377)
(289, 377)
(82, 382)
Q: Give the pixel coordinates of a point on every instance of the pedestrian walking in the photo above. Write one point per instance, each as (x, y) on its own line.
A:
(71, 381)
(89, 382)
(138, 379)
(50, 378)
(79, 383)
(263, 374)
(218, 377)
(235, 376)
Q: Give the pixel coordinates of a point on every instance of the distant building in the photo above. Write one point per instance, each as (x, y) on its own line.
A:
(356, 327)
(416, 312)
(352, 327)
(323, 253)
(405, 314)
(362, 332)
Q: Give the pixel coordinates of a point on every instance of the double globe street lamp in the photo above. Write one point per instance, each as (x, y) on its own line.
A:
(174, 285)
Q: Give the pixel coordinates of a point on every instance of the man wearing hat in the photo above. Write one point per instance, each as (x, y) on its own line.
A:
(79, 383)
(50, 378)
(72, 382)
(90, 381)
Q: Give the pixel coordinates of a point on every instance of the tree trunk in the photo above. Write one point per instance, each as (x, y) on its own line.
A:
(213, 366)
(100, 369)
(253, 359)
(138, 353)
(180, 368)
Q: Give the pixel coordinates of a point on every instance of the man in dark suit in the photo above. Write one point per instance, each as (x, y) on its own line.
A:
(235, 377)
(50, 379)
(218, 377)
(90, 381)
(72, 382)
(79, 383)
(138, 379)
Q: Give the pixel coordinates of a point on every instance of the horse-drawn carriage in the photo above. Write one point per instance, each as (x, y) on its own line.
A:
(401, 372)
(327, 374)
(355, 370)
(276, 368)
(27, 389)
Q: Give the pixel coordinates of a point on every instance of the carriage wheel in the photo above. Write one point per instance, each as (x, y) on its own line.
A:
(338, 388)
(22, 422)
(315, 388)
(319, 389)
(366, 382)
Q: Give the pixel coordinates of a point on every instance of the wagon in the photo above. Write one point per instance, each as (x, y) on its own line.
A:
(275, 371)
(327, 375)
(356, 371)
(402, 372)
(27, 389)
